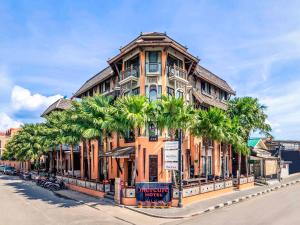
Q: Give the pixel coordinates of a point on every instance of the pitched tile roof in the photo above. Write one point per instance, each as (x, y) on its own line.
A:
(60, 104)
(102, 75)
(212, 78)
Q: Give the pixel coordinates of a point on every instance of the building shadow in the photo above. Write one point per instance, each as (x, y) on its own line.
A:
(31, 191)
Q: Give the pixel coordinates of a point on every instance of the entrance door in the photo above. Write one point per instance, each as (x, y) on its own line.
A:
(153, 168)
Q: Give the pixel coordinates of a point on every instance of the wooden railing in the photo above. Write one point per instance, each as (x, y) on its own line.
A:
(175, 71)
(131, 71)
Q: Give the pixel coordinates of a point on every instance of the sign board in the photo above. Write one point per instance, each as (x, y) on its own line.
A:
(171, 145)
(171, 155)
(171, 165)
(153, 192)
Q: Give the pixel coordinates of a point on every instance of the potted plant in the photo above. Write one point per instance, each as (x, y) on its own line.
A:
(161, 204)
(140, 204)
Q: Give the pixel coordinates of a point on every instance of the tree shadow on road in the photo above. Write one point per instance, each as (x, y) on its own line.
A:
(31, 191)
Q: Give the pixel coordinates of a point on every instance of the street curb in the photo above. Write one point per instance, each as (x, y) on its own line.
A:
(221, 205)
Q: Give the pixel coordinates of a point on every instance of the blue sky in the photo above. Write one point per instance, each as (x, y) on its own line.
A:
(49, 49)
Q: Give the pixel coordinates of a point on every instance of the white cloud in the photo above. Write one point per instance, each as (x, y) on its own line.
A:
(7, 122)
(23, 99)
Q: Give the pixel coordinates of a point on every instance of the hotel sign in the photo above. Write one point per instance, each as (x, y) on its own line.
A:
(153, 192)
(171, 155)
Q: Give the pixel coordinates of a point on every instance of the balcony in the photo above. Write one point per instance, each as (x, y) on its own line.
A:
(153, 68)
(130, 74)
(176, 73)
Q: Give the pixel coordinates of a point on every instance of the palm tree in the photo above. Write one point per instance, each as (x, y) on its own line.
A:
(211, 125)
(70, 135)
(28, 144)
(92, 117)
(55, 134)
(251, 117)
(172, 114)
(131, 114)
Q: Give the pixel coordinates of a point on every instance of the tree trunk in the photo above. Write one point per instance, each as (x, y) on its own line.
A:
(247, 165)
(89, 158)
(72, 159)
(199, 158)
(60, 159)
(105, 149)
(239, 166)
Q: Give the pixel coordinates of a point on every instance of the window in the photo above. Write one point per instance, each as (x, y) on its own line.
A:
(179, 94)
(135, 91)
(107, 86)
(170, 92)
(171, 61)
(152, 93)
(223, 95)
(206, 87)
(153, 57)
(153, 62)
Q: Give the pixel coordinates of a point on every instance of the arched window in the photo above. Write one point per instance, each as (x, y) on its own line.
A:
(179, 94)
(152, 93)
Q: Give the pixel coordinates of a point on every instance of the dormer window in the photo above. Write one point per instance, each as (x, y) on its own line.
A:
(223, 95)
(206, 87)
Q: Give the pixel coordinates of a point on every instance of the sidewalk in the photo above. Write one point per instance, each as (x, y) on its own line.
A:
(216, 202)
(134, 215)
(108, 206)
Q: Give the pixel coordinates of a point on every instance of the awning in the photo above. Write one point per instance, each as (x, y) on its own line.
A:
(121, 152)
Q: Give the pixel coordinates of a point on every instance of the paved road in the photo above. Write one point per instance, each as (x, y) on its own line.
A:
(277, 208)
(26, 204)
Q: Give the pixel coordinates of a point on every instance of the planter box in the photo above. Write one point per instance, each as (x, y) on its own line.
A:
(243, 180)
(219, 185)
(206, 188)
(93, 186)
(100, 187)
(81, 183)
(228, 183)
(72, 181)
(250, 179)
(191, 191)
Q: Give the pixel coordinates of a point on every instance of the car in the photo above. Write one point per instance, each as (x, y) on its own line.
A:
(2, 168)
(9, 170)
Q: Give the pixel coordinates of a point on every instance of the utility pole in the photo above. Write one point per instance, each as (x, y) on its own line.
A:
(180, 205)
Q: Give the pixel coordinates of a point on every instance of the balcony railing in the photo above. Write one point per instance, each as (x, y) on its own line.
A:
(153, 68)
(131, 71)
(176, 72)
